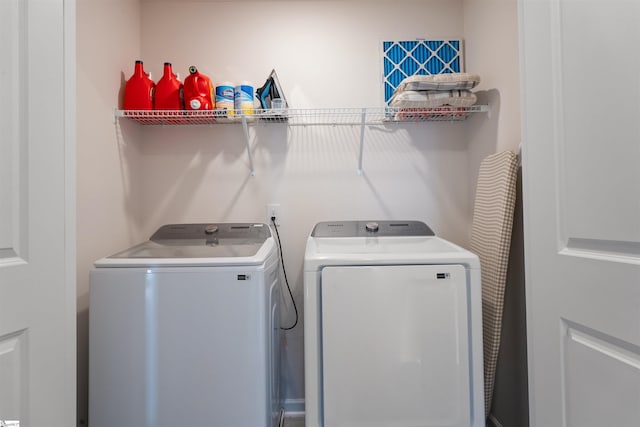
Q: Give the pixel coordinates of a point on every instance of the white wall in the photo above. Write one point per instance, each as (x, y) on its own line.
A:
(108, 41)
(133, 179)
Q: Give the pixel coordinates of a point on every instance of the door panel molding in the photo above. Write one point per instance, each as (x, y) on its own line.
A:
(601, 378)
(595, 125)
(13, 375)
(13, 124)
(557, 125)
(9, 258)
(603, 250)
(605, 344)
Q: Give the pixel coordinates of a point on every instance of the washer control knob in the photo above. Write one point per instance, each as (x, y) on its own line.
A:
(210, 229)
(372, 226)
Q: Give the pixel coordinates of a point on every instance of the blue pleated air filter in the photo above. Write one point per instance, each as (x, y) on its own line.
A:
(402, 59)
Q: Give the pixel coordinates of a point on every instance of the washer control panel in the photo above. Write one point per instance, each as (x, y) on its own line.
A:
(180, 233)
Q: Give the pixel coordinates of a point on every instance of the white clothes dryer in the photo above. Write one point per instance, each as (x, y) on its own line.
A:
(392, 328)
(184, 330)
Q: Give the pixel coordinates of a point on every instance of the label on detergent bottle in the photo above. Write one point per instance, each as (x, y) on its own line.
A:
(225, 97)
(243, 98)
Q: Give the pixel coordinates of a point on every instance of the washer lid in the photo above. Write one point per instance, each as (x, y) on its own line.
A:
(197, 244)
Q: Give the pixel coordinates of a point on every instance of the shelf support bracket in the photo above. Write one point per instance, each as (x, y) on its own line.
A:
(362, 126)
(245, 129)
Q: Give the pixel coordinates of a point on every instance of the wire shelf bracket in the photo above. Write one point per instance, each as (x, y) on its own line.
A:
(245, 129)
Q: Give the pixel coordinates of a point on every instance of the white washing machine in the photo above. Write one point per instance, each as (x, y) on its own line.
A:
(184, 330)
(392, 328)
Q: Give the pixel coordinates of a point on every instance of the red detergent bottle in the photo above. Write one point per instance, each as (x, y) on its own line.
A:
(168, 94)
(198, 91)
(138, 91)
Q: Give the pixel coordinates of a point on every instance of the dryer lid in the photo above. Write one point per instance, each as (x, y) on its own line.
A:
(186, 241)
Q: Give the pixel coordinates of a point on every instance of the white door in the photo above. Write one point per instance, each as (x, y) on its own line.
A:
(37, 211)
(581, 165)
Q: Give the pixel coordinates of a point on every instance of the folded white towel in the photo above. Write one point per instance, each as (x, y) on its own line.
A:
(447, 81)
(432, 99)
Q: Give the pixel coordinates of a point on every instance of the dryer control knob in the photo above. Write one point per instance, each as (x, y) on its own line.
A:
(372, 226)
(210, 229)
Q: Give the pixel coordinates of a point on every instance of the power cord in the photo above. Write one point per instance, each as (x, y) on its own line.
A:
(286, 281)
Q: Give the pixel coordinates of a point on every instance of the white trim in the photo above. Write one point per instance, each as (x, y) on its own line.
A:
(70, 135)
(523, 33)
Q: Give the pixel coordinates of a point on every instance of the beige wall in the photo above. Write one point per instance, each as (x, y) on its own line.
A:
(491, 32)
(327, 54)
(108, 40)
(133, 179)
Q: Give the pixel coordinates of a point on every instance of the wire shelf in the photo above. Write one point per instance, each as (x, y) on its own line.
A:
(296, 117)
(302, 117)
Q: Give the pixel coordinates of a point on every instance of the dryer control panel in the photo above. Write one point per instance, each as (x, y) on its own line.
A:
(371, 228)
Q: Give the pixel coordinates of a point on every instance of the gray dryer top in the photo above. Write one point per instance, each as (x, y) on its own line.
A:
(371, 229)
